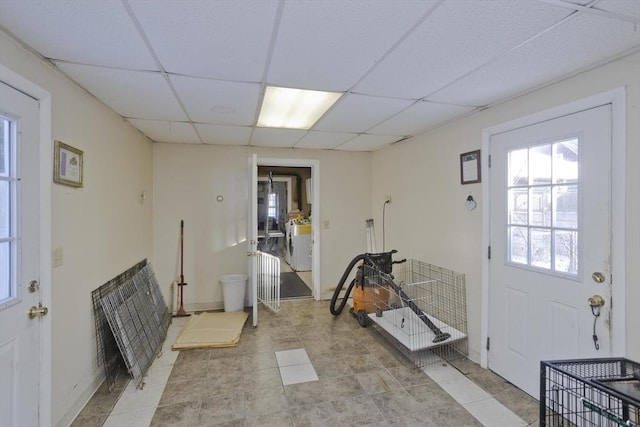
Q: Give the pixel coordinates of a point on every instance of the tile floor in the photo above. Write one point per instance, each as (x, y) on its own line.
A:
(303, 367)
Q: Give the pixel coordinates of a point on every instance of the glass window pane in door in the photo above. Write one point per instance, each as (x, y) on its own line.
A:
(518, 167)
(4, 147)
(565, 206)
(5, 271)
(566, 251)
(5, 209)
(540, 206)
(540, 164)
(541, 248)
(518, 245)
(565, 161)
(518, 206)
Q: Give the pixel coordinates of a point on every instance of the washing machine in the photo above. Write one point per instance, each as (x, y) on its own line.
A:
(298, 245)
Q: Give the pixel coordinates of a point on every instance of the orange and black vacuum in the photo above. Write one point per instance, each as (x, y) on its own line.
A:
(372, 290)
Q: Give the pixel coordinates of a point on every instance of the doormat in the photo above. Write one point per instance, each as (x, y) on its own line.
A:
(210, 330)
(292, 286)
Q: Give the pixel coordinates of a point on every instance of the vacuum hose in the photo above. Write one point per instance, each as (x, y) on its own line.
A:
(336, 311)
(439, 335)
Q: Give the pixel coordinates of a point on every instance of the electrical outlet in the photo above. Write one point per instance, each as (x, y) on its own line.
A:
(387, 199)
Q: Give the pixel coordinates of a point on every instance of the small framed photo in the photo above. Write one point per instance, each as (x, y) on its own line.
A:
(470, 167)
(67, 165)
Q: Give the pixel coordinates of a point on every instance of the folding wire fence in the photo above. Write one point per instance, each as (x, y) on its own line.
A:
(421, 308)
(138, 318)
(107, 352)
(268, 277)
(590, 392)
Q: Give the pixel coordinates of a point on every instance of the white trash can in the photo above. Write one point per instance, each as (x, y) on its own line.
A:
(233, 286)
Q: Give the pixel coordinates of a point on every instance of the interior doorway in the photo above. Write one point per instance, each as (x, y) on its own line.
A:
(284, 225)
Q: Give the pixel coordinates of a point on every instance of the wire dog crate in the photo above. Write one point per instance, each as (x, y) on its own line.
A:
(420, 308)
(590, 392)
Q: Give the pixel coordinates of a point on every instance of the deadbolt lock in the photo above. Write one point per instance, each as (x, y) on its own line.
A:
(598, 277)
(38, 311)
(596, 301)
(33, 286)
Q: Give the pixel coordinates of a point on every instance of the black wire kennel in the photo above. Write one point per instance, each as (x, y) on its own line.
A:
(590, 392)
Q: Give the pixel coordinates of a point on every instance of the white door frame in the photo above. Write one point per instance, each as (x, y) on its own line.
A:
(18, 82)
(315, 219)
(616, 98)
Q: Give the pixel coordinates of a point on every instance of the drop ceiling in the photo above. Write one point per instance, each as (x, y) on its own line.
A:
(195, 71)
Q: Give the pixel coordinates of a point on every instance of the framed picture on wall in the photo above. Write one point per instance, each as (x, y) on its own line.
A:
(67, 165)
(470, 167)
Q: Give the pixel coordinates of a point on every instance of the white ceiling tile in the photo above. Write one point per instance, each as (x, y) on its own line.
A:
(218, 102)
(226, 39)
(365, 142)
(358, 113)
(323, 140)
(329, 45)
(165, 131)
(271, 137)
(419, 117)
(224, 135)
(458, 37)
(629, 8)
(586, 39)
(136, 94)
(89, 32)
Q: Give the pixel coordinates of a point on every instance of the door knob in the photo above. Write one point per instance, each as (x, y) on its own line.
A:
(596, 301)
(38, 311)
(597, 277)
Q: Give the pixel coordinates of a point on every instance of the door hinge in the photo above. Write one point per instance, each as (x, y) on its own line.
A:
(489, 160)
(488, 343)
(488, 252)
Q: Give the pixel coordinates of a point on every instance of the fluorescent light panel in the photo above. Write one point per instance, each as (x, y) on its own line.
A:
(294, 108)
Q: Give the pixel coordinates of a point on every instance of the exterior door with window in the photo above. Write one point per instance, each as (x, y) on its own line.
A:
(550, 233)
(20, 347)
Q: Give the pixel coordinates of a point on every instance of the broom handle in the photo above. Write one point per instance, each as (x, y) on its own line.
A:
(181, 253)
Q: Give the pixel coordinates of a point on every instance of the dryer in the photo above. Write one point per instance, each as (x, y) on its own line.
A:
(298, 245)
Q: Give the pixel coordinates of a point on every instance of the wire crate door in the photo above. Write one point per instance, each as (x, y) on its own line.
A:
(550, 226)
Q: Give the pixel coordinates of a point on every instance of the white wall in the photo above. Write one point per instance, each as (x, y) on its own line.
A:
(102, 228)
(187, 180)
(427, 219)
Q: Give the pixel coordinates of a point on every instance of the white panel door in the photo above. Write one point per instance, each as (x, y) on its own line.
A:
(550, 238)
(252, 233)
(20, 348)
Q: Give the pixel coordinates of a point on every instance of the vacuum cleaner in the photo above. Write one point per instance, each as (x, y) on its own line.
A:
(366, 285)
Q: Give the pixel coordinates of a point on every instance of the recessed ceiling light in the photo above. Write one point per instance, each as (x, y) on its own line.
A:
(294, 108)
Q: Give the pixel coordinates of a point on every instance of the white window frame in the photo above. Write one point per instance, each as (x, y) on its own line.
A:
(10, 138)
(552, 228)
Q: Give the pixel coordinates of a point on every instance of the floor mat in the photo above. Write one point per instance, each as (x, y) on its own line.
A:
(292, 286)
(207, 330)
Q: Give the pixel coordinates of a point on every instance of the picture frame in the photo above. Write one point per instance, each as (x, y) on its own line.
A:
(470, 172)
(68, 165)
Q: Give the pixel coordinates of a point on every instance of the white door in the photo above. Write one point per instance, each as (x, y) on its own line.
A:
(20, 347)
(550, 233)
(252, 233)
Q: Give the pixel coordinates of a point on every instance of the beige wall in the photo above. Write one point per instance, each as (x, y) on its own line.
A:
(187, 180)
(427, 219)
(102, 228)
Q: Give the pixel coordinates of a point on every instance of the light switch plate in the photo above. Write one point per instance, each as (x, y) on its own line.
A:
(57, 257)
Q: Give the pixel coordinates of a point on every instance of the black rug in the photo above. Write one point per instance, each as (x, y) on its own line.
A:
(292, 286)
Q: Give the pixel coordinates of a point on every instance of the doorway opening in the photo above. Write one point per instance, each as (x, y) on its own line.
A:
(286, 223)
